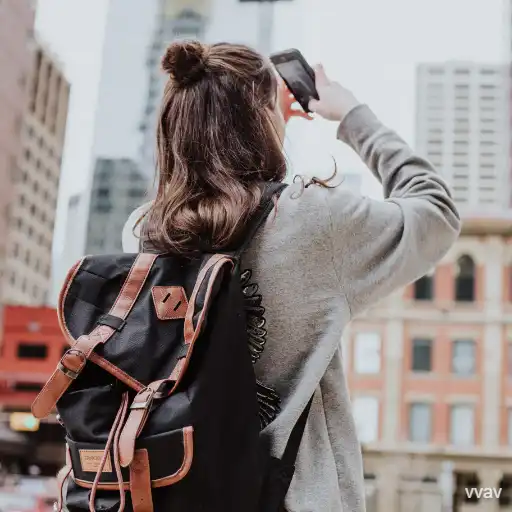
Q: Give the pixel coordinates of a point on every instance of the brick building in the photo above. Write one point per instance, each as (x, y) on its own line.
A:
(430, 370)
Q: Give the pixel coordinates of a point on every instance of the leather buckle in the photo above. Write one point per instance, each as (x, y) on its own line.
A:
(66, 371)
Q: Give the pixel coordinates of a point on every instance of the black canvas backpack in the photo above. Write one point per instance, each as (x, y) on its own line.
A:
(157, 393)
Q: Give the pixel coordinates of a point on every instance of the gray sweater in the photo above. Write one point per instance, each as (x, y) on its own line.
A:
(325, 257)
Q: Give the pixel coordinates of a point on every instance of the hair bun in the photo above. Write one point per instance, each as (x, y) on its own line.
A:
(185, 62)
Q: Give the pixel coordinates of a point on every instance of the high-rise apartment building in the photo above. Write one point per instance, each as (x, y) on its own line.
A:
(118, 188)
(462, 127)
(27, 277)
(16, 33)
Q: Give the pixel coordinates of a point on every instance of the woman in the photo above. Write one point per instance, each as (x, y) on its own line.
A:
(320, 259)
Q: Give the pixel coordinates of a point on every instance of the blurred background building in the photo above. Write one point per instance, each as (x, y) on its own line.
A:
(118, 188)
(33, 198)
(463, 126)
(16, 35)
(430, 371)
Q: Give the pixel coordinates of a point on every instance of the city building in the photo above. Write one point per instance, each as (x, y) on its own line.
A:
(183, 19)
(463, 126)
(27, 275)
(32, 344)
(121, 96)
(430, 373)
(118, 189)
(71, 251)
(16, 33)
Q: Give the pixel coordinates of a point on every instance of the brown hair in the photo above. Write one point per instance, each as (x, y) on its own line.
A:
(216, 145)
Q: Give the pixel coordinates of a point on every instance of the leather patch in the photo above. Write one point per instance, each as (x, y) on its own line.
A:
(170, 302)
(90, 461)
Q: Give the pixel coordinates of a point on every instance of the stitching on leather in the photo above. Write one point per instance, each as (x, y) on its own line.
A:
(188, 458)
(127, 280)
(158, 293)
(213, 276)
(62, 299)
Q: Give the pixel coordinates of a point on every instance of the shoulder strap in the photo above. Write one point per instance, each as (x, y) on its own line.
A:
(292, 447)
(270, 190)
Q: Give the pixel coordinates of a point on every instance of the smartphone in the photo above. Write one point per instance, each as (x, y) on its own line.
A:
(297, 75)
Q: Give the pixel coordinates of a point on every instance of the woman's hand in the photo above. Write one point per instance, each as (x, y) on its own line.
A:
(335, 101)
(286, 102)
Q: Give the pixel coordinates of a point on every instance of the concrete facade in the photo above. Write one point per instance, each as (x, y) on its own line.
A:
(404, 474)
(16, 41)
(34, 192)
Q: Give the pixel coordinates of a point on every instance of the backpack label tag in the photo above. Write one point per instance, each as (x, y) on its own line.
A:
(90, 461)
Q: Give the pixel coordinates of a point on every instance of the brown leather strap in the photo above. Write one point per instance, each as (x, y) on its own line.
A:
(139, 413)
(73, 361)
(113, 439)
(189, 317)
(140, 482)
(217, 263)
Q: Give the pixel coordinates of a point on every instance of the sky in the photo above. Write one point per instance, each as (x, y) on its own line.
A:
(370, 46)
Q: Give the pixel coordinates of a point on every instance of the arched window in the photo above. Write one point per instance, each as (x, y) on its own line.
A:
(465, 279)
(424, 287)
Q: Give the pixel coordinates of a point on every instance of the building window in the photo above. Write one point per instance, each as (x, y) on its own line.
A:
(365, 410)
(367, 353)
(463, 482)
(420, 422)
(465, 279)
(421, 355)
(424, 288)
(462, 425)
(32, 351)
(27, 386)
(463, 357)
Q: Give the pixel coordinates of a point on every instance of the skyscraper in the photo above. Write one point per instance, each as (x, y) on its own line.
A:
(462, 127)
(16, 28)
(120, 105)
(176, 19)
(27, 277)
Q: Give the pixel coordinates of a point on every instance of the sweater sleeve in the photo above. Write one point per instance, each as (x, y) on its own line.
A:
(381, 245)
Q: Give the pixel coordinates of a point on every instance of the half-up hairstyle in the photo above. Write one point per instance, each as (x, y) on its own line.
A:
(216, 145)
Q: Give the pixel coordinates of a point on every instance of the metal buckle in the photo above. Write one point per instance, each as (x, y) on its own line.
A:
(67, 372)
(147, 403)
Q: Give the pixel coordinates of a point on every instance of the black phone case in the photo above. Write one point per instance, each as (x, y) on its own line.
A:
(287, 56)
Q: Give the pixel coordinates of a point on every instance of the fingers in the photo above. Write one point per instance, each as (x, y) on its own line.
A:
(321, 79)
(300, 113)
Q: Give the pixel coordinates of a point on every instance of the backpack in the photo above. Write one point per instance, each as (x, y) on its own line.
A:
(157, 392)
